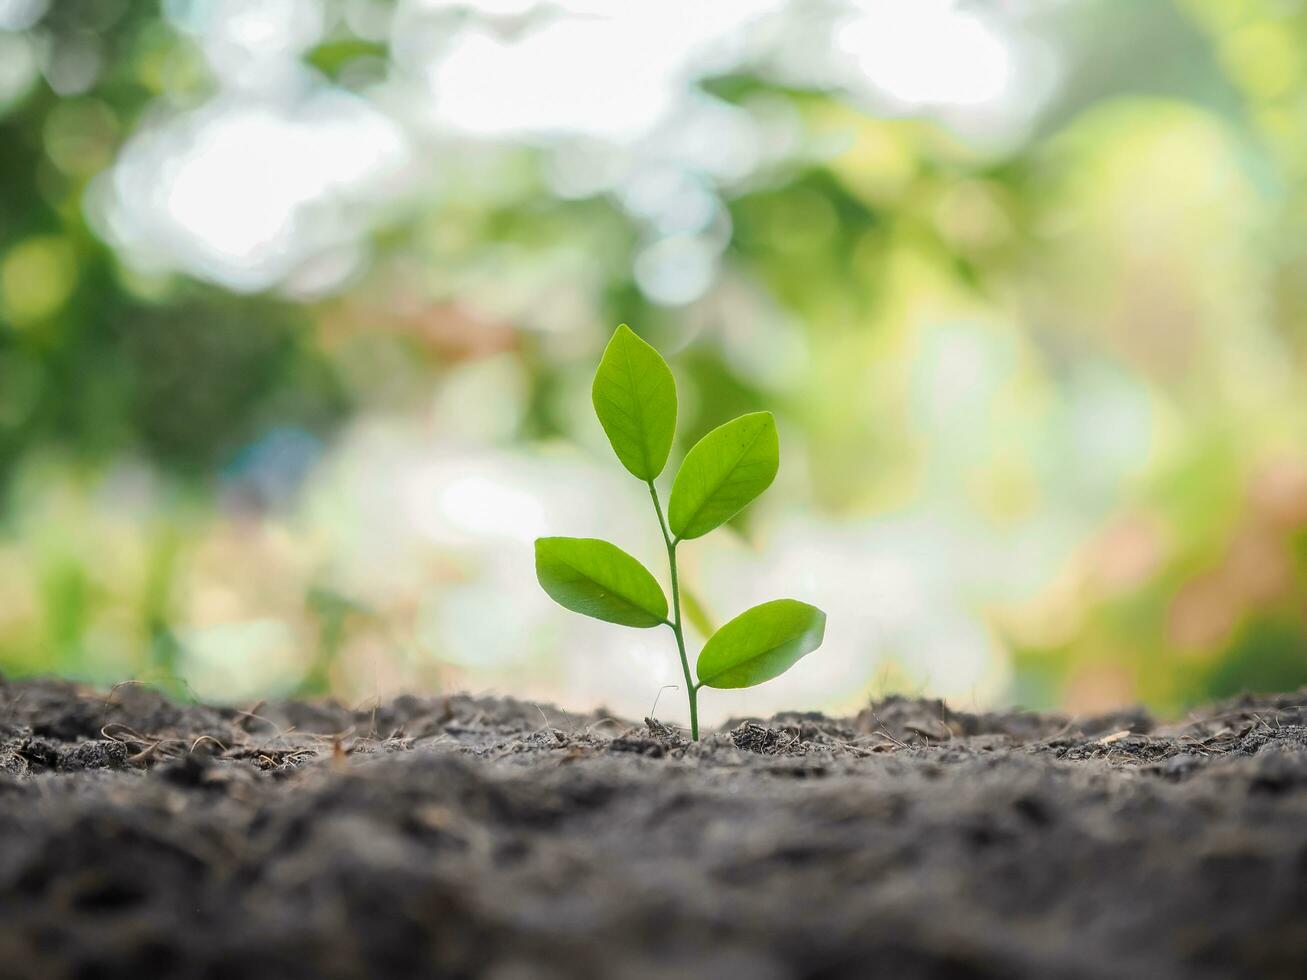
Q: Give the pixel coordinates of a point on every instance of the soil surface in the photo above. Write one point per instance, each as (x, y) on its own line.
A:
(465, 837)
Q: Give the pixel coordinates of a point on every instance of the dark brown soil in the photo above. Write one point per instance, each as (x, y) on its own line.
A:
(460, 837)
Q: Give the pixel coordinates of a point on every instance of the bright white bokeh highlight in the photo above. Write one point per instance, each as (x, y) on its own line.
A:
(610, 71)
(246, 193)
(928, 52)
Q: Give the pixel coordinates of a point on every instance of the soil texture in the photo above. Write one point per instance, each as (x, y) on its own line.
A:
(142, 837)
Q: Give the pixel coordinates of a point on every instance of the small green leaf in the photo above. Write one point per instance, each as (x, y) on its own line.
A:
(761, 643)
(723, 473)
(634, 396)
(599, 579)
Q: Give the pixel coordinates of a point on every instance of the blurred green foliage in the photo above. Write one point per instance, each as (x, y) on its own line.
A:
(1087, 349)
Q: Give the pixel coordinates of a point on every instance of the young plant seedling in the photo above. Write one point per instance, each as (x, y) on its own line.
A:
(634, 396)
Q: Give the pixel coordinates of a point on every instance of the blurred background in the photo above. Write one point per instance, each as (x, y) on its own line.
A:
(300, 302)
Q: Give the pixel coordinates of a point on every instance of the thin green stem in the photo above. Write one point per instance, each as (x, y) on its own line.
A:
(691, 688)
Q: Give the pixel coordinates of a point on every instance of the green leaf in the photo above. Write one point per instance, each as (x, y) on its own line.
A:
(599, 579)
(634, 396)
(723, 473)
(761, 643)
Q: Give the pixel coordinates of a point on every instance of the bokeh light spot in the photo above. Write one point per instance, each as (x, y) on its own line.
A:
(36, 278)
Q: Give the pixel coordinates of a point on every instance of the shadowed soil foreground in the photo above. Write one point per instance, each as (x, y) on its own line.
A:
(463, 837)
